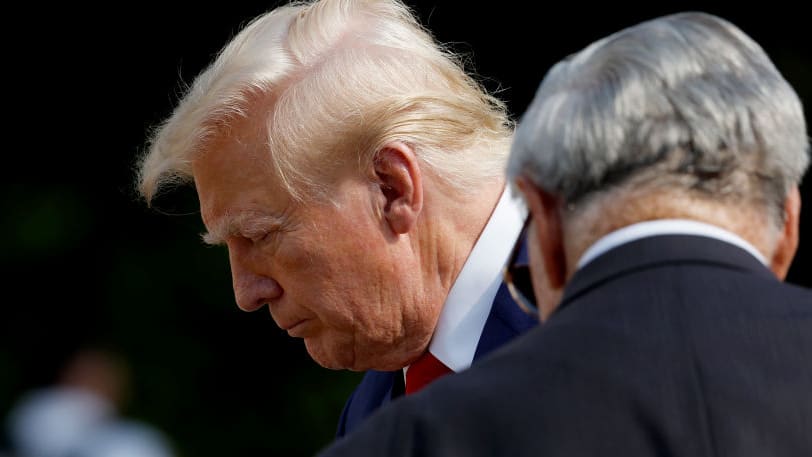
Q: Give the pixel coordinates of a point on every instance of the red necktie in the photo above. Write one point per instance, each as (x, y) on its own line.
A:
(424, 370)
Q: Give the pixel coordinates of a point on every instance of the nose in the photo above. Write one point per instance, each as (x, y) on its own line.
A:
(253, 291)
(252, 287)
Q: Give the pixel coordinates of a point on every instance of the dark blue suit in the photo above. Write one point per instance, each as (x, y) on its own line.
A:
(680, 346)
(377, 388)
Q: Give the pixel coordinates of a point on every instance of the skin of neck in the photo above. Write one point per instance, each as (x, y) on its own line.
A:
(610, 212)
(561, 232)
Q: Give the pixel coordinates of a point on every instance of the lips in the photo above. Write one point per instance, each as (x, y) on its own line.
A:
(297, 329)
(292, 322)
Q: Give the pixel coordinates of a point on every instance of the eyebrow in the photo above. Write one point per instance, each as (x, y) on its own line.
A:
(246, 224)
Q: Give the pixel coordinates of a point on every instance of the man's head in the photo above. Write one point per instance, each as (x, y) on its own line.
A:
(103, 372)
(679, 117)
(335, 148)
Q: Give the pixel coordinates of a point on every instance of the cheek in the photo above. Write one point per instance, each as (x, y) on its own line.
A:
(361, 286)
(353, 334)
(336, 281)
(541, 286)
(547, 296)
(536, 265)
(359, 300)
(361, 310)
(351, 276)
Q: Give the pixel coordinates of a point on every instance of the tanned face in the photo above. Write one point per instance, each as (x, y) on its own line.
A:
(332, 274)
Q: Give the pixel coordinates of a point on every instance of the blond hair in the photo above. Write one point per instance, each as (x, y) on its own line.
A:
(333, 81)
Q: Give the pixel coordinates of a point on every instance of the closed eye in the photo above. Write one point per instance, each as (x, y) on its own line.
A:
(257, 237)
(247, 225)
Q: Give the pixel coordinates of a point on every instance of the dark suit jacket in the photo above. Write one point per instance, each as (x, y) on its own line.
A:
(377, 388)
(665, 346)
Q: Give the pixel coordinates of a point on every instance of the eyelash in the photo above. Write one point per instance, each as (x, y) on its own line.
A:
(261, 236)
(258, 238)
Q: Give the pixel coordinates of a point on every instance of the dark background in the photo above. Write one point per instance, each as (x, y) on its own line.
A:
(84, 261)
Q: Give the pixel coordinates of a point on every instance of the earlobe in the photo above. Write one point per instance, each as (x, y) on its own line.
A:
(787, 243)
(398, 180)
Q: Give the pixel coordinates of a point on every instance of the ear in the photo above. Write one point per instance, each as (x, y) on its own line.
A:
(787, 243)
(398, 179)
(545, 211)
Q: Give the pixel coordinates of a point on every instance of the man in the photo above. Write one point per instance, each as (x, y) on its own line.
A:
(661, 167)
(82, 413)
(355, 173)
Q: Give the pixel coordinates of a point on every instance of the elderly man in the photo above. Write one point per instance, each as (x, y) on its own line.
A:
(355, 173)
(661, 167)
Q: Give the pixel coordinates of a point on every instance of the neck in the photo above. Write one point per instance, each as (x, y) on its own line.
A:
(450, 227)
(599, 218)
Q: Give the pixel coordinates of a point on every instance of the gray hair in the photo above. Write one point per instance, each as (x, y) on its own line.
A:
(333, 81)
(686, 100)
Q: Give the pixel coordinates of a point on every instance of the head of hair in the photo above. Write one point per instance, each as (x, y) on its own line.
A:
(101, 370)
(332, 81)
(683, 103)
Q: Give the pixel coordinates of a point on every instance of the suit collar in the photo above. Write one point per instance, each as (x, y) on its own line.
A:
(656, 227)
(658, 250)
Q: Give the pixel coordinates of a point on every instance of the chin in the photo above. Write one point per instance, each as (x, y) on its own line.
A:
(332, 357)
(348, 355)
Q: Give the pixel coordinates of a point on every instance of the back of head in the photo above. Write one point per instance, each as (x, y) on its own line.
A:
(332, 80)
(686, 105)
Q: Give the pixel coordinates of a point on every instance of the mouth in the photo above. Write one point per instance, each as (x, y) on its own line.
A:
(297, 329)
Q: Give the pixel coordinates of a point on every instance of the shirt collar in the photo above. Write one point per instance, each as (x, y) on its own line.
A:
(469, 301)
(665, 227)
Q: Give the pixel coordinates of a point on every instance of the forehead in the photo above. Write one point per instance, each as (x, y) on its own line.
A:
(234, 175)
